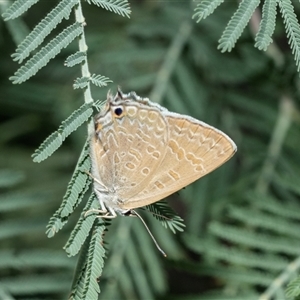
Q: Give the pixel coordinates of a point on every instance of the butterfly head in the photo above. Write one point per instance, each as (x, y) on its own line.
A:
(115, 108)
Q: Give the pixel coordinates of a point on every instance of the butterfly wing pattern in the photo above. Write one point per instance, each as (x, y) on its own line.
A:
(141, 152)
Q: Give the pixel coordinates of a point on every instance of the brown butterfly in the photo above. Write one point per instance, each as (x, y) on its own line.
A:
(142, 153)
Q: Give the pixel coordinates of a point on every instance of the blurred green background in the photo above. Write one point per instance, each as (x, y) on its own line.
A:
(242, 221)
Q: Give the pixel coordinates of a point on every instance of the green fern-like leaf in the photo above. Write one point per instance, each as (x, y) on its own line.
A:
(54, 141)
(272, 205)
(75, 59)
(143, 289)
(100, 80)
(291, 184)
(48, 147)
(244, 277)
(78, 184)
(77, 285)
(38, 34)
(99, 104)
(95, 261)
(293, 288)
(205, 8)
(82, 228)
(132, 261)
(83, 279)
(256, 240)
(55, 224)
(17, 9)
(76, 190)
(168, 218)
(265, 221)
(76, 119)
(120, 7)
(81, 83)
(267, 26)
(79, 187)
(9, 178)
(14, 201)
(48, 52)
(292, 28)
(236, 256)
(237, 24)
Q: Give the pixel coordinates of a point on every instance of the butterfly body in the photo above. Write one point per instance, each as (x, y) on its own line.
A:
(141, 152)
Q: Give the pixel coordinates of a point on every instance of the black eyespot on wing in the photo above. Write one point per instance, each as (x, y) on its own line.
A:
(118, 111)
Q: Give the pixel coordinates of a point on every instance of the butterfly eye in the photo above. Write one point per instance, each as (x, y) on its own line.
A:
(118, 111)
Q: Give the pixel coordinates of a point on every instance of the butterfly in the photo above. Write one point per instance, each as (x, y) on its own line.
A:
(142, 153)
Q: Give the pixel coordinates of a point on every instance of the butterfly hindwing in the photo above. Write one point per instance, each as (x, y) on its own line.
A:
(194, 149)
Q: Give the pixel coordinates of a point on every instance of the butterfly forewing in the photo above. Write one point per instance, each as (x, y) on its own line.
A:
(130, 148)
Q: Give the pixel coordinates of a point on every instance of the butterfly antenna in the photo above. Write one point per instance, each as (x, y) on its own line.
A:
(133, 212)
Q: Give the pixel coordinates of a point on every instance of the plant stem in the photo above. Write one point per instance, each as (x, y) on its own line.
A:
(280, 130)
(169, 63)
(280, 281)
(83, 48)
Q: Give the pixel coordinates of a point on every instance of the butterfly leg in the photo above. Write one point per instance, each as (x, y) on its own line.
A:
(105, 189)
(104, 213)
(107, 214)
(111, 214)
